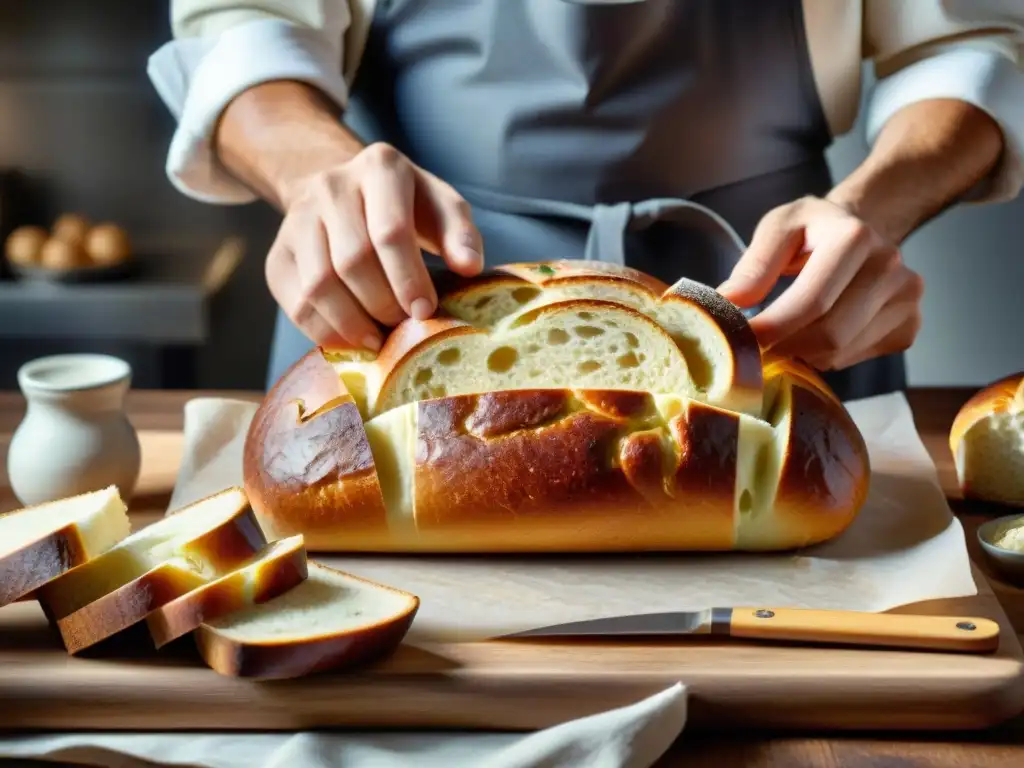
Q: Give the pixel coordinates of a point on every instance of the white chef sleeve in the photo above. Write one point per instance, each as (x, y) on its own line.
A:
(220, 50)
(953, 49)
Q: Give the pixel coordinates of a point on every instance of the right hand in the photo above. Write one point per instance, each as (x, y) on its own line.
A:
(347, 255)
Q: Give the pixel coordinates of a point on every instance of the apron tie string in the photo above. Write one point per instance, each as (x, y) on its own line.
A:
(606, 237)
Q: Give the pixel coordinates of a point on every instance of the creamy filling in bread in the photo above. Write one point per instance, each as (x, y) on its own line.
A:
(100, 517)
(327, 603)
(392, 438)
(761, 448)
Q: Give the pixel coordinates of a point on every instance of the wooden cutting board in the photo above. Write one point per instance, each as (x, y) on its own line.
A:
(515, 685)
(499, 685)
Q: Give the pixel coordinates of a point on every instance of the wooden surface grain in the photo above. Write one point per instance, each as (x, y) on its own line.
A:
(934, 410)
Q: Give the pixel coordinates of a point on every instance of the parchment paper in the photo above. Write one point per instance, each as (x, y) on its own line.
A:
(905, 546)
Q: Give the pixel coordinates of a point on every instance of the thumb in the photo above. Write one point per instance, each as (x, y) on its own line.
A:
(774, 246)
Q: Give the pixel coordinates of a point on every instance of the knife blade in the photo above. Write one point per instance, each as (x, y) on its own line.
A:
(895, 630)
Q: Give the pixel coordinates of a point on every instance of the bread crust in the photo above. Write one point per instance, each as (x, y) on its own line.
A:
(819, 492)
(564, 469)
(307, 462)
(26, 569)
(215, 599)
(292, 657)
(524, 471)
(29, 568)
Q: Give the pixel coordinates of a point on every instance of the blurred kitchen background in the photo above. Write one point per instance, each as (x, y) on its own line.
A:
(83, 132)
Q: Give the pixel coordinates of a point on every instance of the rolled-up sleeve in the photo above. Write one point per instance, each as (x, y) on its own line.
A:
(222, 48)
(971, 50)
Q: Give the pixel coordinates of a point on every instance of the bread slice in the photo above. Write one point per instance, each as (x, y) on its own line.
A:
(275, 569)
(152, 567)
(721, 351)
(581, 343)
(39, 543)
(987, 443)
(331, 620)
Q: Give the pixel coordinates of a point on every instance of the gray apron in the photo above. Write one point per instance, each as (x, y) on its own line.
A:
(650, 133)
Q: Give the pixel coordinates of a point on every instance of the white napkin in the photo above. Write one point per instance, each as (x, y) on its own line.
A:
(630, 737)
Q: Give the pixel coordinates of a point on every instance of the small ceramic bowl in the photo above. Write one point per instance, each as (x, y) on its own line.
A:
(1007, 563)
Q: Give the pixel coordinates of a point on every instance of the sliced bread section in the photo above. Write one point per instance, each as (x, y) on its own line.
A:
(578, 343)
(40, 543)
(152, 567)
(332, 620)
(987, 443)
(721, 350)
(275, 569)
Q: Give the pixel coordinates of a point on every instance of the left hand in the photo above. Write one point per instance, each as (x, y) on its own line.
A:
(853, 298)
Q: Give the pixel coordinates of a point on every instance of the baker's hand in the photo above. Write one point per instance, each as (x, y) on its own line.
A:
(853, 297)
(348, 251)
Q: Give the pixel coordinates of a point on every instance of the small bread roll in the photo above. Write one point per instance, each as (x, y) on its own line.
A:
(987, 442)
(107, 244)
(72, 227)
(24, 245)
(63, 254)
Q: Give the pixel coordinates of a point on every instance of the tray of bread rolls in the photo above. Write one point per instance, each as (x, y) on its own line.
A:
(548, 411)
(73, 250)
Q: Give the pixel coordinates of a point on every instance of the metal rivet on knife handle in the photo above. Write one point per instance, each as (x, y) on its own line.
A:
(764, 614)
(966, 625)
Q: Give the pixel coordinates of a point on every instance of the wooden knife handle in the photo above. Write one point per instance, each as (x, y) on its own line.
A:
(947, 633)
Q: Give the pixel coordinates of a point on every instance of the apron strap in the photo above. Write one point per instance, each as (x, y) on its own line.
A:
(606, 236)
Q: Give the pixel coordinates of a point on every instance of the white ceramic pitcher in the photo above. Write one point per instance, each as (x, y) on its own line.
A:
(75, 436)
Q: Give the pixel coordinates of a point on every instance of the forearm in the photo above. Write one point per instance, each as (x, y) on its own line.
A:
(925, 158)
(275, 134)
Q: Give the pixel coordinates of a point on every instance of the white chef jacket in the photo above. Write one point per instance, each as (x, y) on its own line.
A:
(972, 50)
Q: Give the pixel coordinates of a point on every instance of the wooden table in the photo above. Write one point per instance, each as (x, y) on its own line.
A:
(933, 411)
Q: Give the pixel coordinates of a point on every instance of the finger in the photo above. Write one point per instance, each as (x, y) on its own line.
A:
(776, 242)
(798, 263)
(282, 279)
(870, 290)
(322, 289)
(388, 202)
(445, 220)
(356, 264)
(829, 270)
(892, 330)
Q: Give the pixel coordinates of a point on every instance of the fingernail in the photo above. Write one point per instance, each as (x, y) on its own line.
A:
(371, 342)
(422, 309)
(725, 287)
(470, 257)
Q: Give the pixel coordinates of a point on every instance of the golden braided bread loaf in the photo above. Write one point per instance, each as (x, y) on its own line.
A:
(559, 406)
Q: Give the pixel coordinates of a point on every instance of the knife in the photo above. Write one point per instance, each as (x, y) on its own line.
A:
(945, 633)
